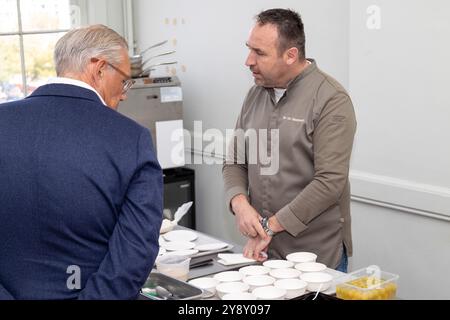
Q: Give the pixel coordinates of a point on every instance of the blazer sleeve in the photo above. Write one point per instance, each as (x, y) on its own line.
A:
(133, 246)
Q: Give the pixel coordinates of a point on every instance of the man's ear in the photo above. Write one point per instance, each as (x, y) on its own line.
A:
(98, 67)
(291, 55)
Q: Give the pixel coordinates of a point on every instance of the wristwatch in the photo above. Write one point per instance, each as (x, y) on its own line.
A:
(265, 225)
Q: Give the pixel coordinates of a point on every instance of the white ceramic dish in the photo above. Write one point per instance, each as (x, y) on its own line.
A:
(310, 267)
(269, 293)
(239, 296)
(258, 281)
(278, 264)
(317, 281)
(180, 235)
(224, 288)
(285, 273)
(254, 270)
(187, 253)
(294, 287)
(211, 246)
(299, 257)
(178, 245)
(205, 283)
(229, 276)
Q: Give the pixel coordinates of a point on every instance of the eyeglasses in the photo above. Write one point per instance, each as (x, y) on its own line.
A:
(127, 83)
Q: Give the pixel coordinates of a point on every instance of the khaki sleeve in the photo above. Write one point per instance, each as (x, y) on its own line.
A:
(235, 170)
(332, 142)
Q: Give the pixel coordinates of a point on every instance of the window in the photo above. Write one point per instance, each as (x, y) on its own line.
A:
(29, 30)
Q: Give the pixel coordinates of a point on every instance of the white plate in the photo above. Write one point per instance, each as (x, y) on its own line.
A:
(211, 246)
(180, 235)
(178, 245)
(189, 252)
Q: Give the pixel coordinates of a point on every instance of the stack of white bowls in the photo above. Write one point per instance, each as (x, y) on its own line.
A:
(275, 279)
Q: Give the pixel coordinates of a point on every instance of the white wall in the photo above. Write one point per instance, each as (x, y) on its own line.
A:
(210, 42)
(398, 81)
(400, 176)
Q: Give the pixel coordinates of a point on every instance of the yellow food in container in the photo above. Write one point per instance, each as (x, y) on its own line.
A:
(367, 284)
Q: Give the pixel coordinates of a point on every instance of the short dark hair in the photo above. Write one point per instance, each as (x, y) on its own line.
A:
(291, 32)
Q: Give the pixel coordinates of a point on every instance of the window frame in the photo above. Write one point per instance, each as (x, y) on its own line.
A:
(86, 14)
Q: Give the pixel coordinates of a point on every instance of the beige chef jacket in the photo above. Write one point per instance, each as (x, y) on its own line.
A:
(310, 192)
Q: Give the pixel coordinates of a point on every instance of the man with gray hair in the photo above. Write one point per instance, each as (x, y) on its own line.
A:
(81, 192)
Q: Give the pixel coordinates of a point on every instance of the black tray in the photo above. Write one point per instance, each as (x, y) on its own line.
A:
(320, 297)
(180, 290)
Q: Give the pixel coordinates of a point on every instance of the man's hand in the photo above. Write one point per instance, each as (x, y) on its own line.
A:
(256, 248)
(247, 218)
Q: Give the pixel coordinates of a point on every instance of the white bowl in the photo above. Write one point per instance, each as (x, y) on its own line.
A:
(317, 281)
(285, 273)
(269, 293)
(229, 276)
(310, 267)
(278, 264)
(205, 283)
(299, 257)
(293, 287)
(230, 287)
(239, 296)
(258, 281)
(254, 270)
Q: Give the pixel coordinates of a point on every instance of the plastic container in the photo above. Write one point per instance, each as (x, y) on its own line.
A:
(369, 283)
(174, 266)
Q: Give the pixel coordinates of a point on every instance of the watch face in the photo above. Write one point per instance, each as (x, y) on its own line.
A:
(265, 225)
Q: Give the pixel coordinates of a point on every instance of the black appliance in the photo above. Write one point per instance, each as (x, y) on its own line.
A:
(179, 188)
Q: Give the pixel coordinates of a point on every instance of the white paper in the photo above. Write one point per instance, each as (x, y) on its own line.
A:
(171, 94)
(170, 143)
(233, 258)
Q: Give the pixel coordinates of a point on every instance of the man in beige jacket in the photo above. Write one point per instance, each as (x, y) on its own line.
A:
(309, 117)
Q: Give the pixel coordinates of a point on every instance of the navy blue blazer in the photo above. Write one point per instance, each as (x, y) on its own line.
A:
(80, 198)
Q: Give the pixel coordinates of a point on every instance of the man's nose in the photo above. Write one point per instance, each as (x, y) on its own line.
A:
(250, 60)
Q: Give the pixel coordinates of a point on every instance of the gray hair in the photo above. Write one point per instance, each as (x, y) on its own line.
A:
(75, 49)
